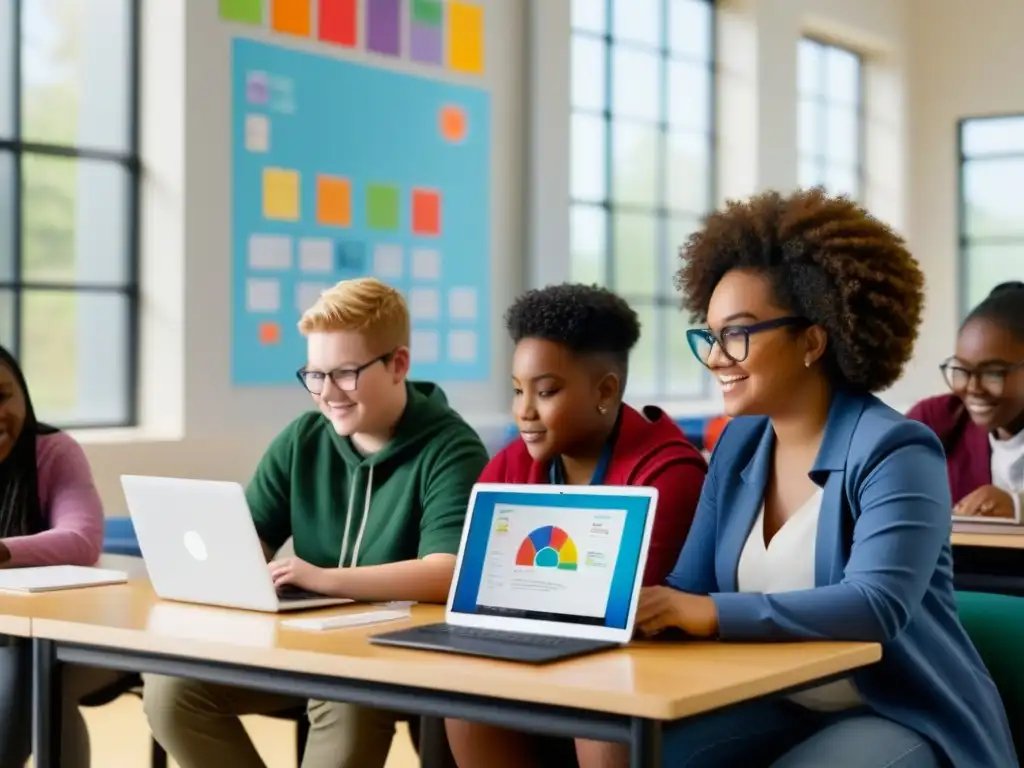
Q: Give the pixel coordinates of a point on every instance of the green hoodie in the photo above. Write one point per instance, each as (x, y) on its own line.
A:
(404, 502)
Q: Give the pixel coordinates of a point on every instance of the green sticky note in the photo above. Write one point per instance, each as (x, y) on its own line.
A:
(244, 11)
(382, 207)
(427, 12)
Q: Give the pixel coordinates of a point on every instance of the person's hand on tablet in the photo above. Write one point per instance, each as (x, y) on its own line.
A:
(986, 501)
(662, 608)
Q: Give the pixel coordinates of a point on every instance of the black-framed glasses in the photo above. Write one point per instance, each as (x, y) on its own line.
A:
(734, 340)
(991, 377)
(346, 379)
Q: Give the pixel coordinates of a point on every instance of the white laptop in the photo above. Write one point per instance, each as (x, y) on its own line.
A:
(200, 545)
(544, 572)
(51, 578)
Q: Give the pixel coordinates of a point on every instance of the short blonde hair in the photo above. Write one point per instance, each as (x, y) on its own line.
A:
(364, 305)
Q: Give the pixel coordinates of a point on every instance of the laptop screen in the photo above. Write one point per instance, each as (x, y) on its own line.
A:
(552, 556)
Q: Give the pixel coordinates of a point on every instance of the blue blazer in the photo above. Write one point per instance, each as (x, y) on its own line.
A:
(883, 571)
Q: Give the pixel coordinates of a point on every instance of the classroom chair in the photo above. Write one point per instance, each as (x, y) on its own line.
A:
(995, 624)
(119, 537)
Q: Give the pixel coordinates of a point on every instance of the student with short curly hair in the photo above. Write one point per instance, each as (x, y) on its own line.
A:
(981, 420)
(569, 372)
(824, 516)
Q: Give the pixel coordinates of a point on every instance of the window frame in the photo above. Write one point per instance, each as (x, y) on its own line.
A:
(15, 147)
(823, 103)
(963, 240)
(662, 212)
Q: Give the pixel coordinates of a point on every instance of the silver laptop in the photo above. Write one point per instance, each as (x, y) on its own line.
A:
(200, 545)
(544, 572)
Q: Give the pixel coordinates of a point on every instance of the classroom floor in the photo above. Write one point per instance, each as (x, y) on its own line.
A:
(120, 739)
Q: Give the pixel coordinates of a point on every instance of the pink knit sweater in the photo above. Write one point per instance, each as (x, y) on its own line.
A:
(71, 507)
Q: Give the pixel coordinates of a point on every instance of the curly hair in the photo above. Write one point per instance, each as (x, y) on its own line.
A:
(586, 319)
(827, 260)
(1004, 306)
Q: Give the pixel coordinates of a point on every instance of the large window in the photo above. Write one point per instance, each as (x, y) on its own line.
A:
(69, 171)
(830, 144)
(643, 144)
(991, 153)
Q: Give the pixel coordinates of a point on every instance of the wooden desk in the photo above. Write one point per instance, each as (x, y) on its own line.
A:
(623, 695)
(993, 540)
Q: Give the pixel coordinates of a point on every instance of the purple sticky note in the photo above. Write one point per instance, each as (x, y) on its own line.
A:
(383, 26)
(425, 43)
(257, 90)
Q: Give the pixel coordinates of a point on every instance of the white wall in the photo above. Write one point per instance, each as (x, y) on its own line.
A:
(966, 61)
(930, 62)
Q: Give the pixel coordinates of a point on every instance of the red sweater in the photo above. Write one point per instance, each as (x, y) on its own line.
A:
(968, 451)
(650, 450)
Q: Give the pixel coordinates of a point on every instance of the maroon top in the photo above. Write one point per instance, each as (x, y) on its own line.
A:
(968, 451)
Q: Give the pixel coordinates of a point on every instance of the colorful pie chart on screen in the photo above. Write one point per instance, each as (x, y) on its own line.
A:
(548, 547)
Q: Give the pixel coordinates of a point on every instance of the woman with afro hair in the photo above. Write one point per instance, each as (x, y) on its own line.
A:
(569, 373)
(825, 515)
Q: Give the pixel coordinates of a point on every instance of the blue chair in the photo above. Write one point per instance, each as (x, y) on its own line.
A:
(119, 537)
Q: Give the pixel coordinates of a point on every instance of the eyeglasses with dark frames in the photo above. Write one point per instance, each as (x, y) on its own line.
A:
(991, 377)
(734, 340)
(345, 379)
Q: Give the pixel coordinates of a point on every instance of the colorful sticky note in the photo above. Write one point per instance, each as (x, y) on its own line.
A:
(382, 206)
(351, 256)
(427, 12)
(257, 88)
(452, 123)
(280, 194)
(426, 44)
(338, 22)
(466, 37)
(269, 333)
(383, 26)
(257, 133)
(426, 212)
(333, 201)
(244, 11)
(292, 17)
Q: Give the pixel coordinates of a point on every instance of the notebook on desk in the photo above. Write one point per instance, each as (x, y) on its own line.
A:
(51, 578)
(544, 572)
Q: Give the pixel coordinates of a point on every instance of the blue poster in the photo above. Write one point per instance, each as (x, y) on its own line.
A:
(342, 170)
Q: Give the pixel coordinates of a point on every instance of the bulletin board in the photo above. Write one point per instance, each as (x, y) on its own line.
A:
(343, 170)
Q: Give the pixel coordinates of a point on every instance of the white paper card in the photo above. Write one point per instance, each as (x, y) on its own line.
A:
(262, 295)
(348, 620)
(48, 578)
(462, 346)
(387, 261)
(316, 254)
(306, 294)
(257, 133)
(424, 303)
(426, 264)
(426, 347)
(270, 252)
(462, 303)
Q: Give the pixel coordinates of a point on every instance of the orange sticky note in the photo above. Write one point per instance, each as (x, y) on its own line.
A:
(270, 333)
(452, 123)
(466, 37)
(280, 194)
(292, 17)
(333, 201)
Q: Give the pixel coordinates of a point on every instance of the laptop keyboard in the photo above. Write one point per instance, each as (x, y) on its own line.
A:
(289, 593)
(492, 635)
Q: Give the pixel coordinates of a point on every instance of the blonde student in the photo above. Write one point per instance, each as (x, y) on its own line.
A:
(372, 487)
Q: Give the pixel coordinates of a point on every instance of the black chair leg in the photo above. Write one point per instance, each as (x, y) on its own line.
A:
(158, 757)
(301, 737)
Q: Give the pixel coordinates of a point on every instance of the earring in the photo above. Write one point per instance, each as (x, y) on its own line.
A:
(807, 363)
(602, 409)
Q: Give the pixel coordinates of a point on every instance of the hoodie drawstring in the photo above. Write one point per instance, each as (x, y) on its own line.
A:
(362, 522)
